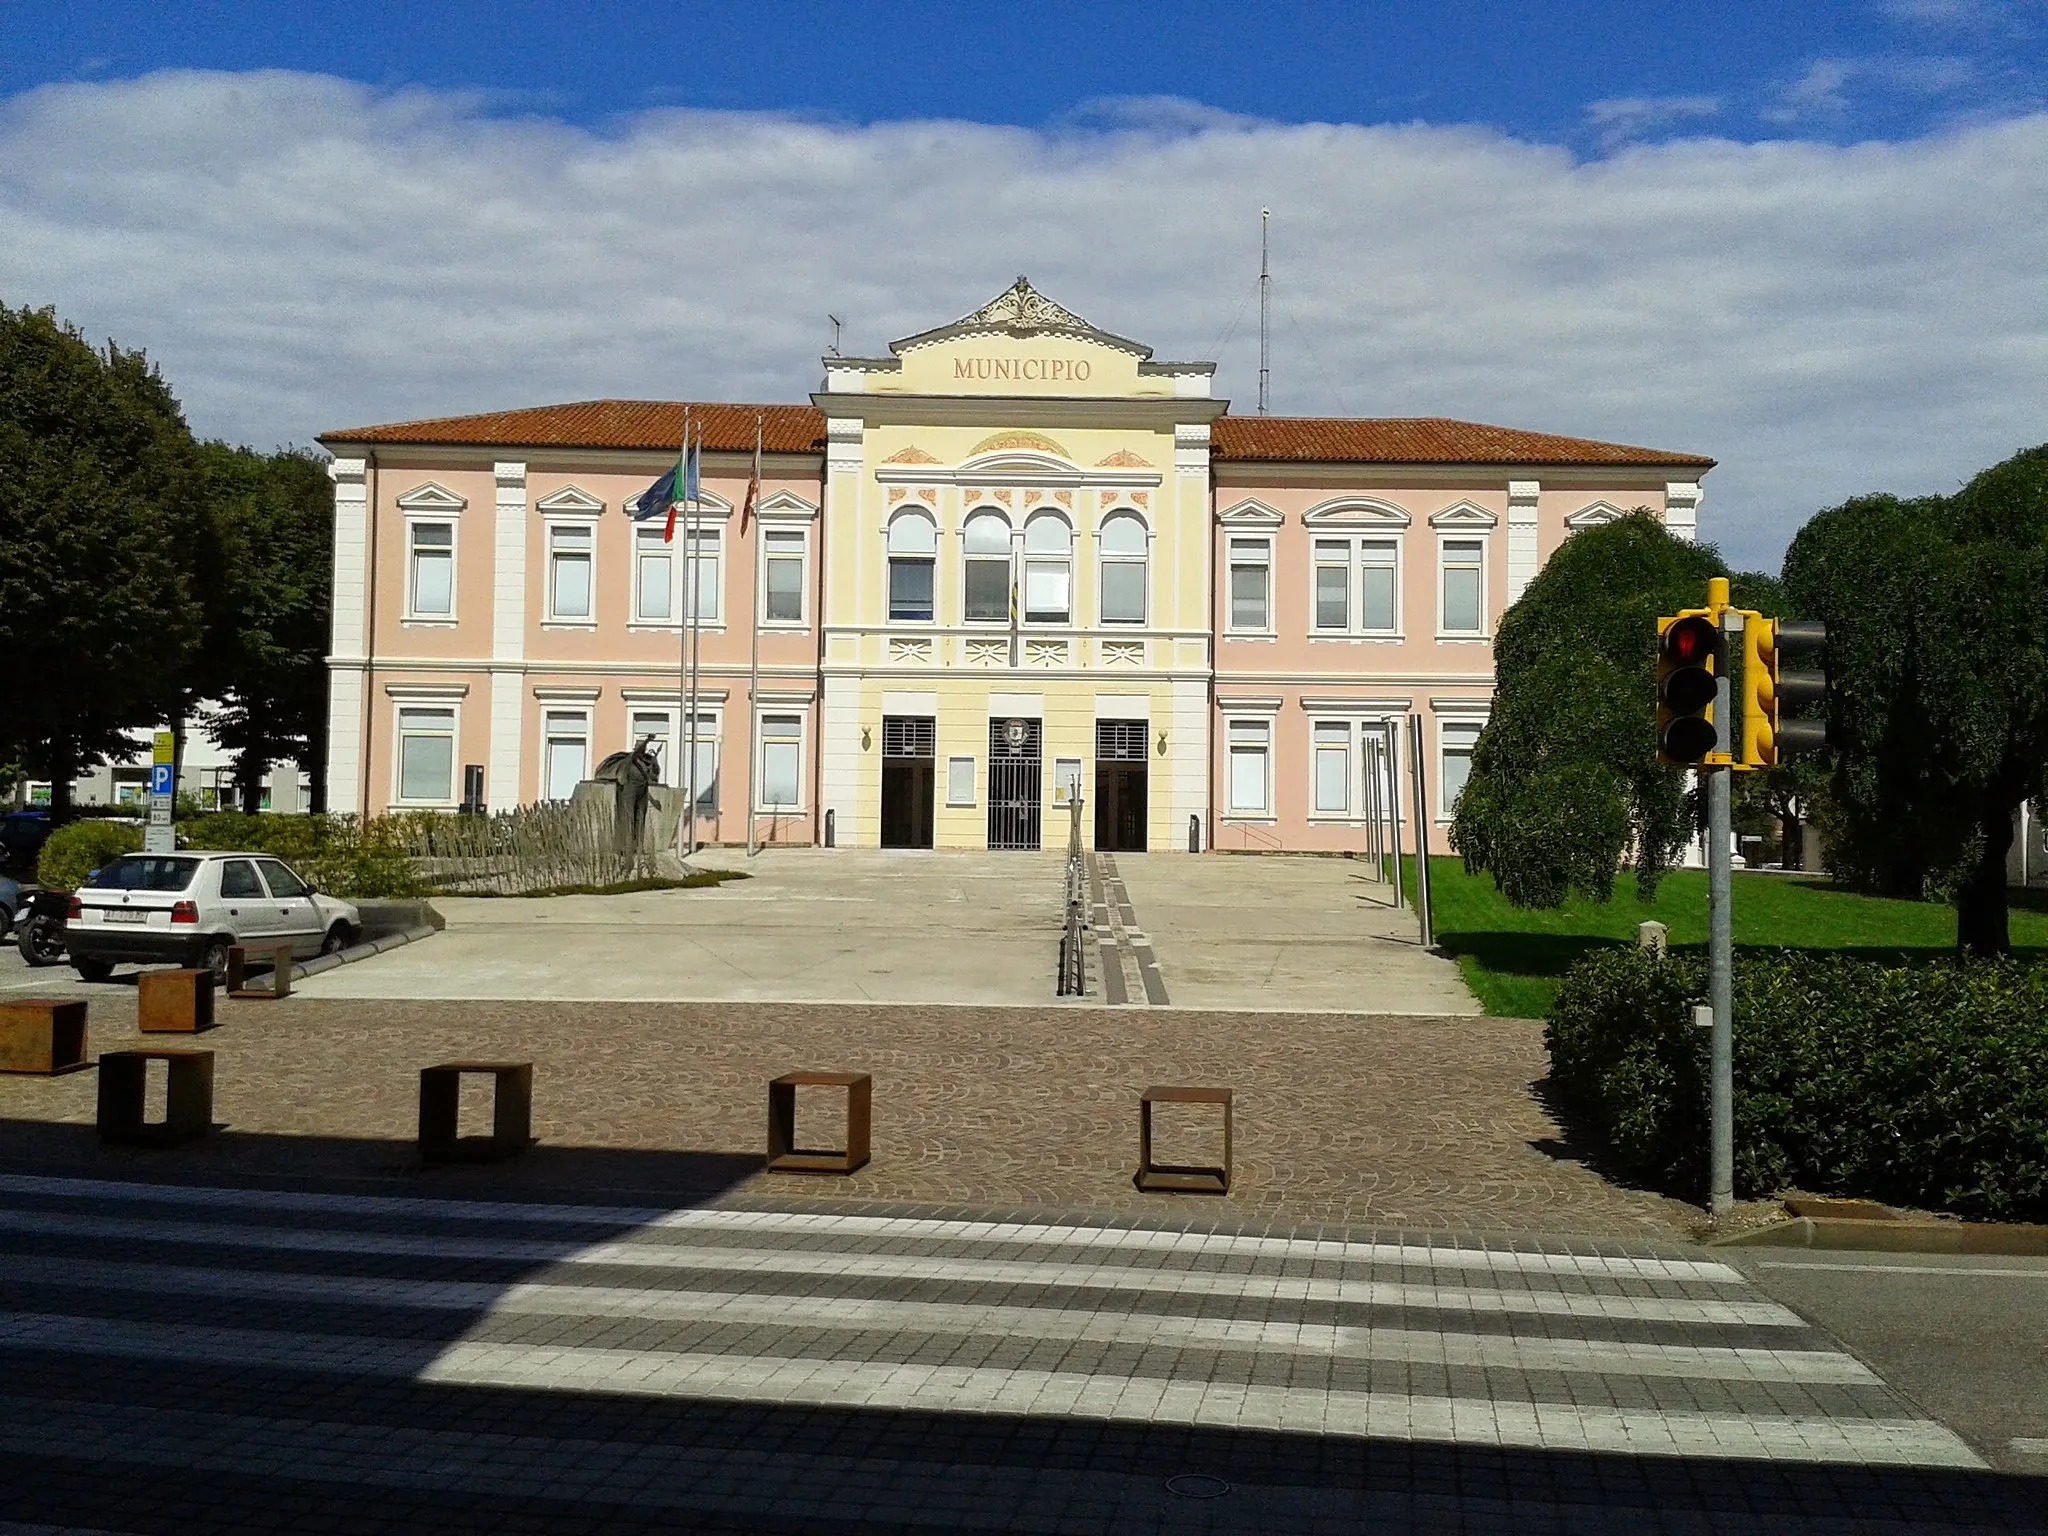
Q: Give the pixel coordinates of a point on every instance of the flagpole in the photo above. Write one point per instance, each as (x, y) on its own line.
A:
(695, 632)
(754, 637)
(682, 754)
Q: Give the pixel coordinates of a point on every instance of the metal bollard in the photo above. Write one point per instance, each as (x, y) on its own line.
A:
(831, 827)
(1194, 834)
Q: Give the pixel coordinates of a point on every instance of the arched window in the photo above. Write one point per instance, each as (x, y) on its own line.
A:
(913, 546)
(1048, 570)
(988, 566)
(1121, 546)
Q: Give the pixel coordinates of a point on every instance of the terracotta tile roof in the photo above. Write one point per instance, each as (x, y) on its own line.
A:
(658, 425)
(653, 424)
(1416, 440)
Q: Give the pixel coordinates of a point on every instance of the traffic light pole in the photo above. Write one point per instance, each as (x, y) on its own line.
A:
(1721, 944)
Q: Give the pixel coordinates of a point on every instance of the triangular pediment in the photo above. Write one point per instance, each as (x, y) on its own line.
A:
(1599, 513)
(1464, 515)
(1021, 310)
(431, 498)
(1251, 513)
(786, 507)
(570, 498)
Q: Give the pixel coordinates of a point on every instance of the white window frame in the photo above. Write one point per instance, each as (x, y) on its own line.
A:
(399, 707)
(1142, 560)
(707, 730)
(761, 740)
(890, 557)
(1461, 722)
(550, 530)
(413, 613)
(765, 531)
(1354, 565)
(709, 535)
(1269, 725)
(645, 535)
(1444, 540)
(548, 709)
(1352, 774)
(1031, 558)
(1232, 538)
(667, 735)
(1009, 562)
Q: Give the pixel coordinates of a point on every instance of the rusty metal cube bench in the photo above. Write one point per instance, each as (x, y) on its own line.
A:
(174, 1002)
(1176, 1178)
(44, 1035)
(188, 1103)
(783, 1154)
(243, 958)
(441, 1109)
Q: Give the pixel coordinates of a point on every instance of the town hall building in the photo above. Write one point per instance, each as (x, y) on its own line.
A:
(1018, 558)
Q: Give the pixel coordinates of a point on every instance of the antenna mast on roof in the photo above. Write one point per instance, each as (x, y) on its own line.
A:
(1265, 297)
(835, 333)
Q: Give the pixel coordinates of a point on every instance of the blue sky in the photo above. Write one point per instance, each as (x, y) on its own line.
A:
(1804, 239)
(1574, 73)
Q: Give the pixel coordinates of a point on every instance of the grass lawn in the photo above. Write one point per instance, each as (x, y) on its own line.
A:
(1512, 960)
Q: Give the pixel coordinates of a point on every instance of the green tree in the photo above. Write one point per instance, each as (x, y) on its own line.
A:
(104, 538)
(1565, 785)
(267, 623)
(1937, 615)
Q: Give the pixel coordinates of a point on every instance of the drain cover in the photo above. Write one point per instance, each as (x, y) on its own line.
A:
(1196, 1485)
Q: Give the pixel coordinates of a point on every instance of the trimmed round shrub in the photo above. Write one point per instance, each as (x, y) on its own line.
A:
(75, 851)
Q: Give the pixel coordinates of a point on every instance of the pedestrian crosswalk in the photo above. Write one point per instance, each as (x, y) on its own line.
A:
(1504, 1347)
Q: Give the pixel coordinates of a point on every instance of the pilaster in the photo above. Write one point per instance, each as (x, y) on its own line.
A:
(1682, 509)
(1523, 496)
(508, 633)
(350, 631)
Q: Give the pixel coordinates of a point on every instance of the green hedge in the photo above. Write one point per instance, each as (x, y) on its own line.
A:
(1923, 1085)
(339, 854)
(75, 851)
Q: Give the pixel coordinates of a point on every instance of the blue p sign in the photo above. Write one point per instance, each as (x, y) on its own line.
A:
(160, 778)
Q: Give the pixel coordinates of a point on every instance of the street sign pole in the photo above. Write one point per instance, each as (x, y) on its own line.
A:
(157, 835)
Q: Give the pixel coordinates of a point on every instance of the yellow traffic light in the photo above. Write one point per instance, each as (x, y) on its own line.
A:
(1766, 688)
(1689, 658)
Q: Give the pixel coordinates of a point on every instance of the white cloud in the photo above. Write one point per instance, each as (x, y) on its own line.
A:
(303, 253)
(1622, 118)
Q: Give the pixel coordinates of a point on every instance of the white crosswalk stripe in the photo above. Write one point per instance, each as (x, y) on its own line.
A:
(1494, 1346)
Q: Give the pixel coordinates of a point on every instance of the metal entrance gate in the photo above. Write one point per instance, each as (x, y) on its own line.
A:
(1120, 812)
(1015, 795)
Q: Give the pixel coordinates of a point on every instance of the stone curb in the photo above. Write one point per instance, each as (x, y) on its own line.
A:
(1893, 1236)
(364, 951)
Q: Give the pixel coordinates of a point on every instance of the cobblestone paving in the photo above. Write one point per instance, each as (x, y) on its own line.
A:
(1358, 1121)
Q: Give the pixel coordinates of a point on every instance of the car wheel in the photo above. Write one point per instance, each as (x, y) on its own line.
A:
(214, 961)
(40, 941)
(335, 940)
(93, 970)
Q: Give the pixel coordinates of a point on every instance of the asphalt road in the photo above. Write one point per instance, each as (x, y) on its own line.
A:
(1965, 1337)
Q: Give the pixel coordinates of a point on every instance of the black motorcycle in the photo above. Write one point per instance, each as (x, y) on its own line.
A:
(39, 929)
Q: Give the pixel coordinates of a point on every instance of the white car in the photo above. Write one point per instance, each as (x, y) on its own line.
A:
(187, 908)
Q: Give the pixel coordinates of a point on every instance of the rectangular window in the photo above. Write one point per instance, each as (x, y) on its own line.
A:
(1047, 588)
(1464, 583)
(654, 578)
(704, 546)
(1123, 591)
(426, 756)
(988, 589)
(782, 747)
(433, 569)
(570, 546)
(1332, 766)
(1251, 564)
(565, 755)
(704, 763)
(1457, 741)
(1333, 584)
(783, 579)
(1377, 562)
(654, 726)
(910, 587)
(1250, 743)
(959, 781)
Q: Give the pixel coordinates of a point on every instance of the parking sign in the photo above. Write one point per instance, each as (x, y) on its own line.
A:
(160, 778)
